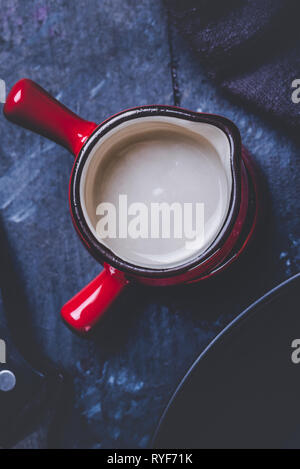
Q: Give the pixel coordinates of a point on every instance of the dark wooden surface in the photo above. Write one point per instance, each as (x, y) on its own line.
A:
(99, 57)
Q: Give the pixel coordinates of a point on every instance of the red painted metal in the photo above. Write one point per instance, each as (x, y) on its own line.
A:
(32, 107)
(89, 305)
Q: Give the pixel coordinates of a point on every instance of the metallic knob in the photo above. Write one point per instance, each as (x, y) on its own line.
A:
(7, 380)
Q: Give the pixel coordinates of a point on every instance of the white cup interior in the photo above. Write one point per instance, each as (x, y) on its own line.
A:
(158, 159)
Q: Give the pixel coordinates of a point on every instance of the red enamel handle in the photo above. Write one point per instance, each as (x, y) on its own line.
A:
(30, 106)
(88, 306)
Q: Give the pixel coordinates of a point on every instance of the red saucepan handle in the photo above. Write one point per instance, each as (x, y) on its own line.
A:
(30, 106)
(89, 305)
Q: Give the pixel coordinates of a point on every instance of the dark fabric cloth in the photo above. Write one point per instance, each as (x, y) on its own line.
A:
(250, 47)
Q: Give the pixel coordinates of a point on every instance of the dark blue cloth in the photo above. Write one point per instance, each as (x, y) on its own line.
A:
(250, 47)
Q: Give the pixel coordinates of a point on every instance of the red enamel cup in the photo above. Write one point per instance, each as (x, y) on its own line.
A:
(32, 107)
